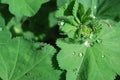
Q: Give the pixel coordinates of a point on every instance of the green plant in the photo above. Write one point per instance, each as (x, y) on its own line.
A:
(85, 47)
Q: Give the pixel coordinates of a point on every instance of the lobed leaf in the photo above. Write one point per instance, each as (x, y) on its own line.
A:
(108, 9)
(21, 59)
(21, 8)
(92, 62)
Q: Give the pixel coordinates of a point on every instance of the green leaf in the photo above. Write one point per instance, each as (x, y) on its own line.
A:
(2, 21)
(24, 7)
(61, 3)
(4, 39)
(94, 65)
(75, 8)
(97, 61)
(67, 15)
(69, 20)
(102, 8)
(52, 19)
(21, 59)
(69, 58)
(75, 11)
(69, 30)
(81, 11)
(108, 9)
(89, 4)
(66, 9)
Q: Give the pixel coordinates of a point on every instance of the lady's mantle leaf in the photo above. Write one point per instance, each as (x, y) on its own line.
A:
(98, 61)
(108, 8)
(70, 57)
(21, 59)
(88, 3)
(103, 8)
(22, 8)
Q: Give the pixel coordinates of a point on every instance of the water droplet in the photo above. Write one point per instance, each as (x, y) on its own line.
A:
(103, 56)
(61, 23)
(0, 29)
(73, 53)
(92, 15)
(81, 54)
(99, 41)
(91, 36)
(95, 7)
(87, 43)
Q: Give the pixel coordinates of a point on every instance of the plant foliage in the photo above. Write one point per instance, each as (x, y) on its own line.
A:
(59, 39)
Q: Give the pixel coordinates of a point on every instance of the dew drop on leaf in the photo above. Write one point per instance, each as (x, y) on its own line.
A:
(80, 54)
(92, 15)
(73, 53)
(103, 56)
(87, 43)
(61, 23)
(0, 29)
(99, 41)
(91, 36)
(95, 7)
